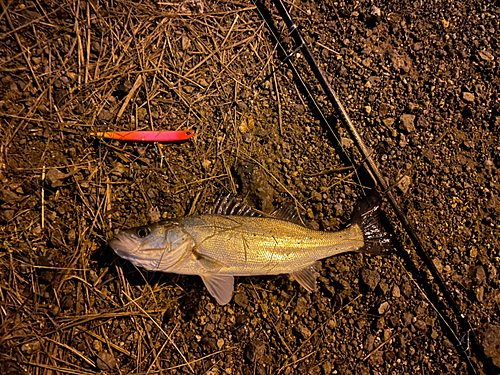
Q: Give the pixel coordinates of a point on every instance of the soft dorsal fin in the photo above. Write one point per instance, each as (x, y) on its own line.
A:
(220, 287)
(231, 205)
(287, 212)
(307, 276)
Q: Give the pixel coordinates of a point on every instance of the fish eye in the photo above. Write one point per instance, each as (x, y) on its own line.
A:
(142, 232)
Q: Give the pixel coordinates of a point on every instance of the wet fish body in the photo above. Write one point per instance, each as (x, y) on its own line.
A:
(236, 240)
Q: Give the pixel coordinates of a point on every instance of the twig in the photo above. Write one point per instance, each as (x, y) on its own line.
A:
(43, 197)
(129, 96)
(377, 348)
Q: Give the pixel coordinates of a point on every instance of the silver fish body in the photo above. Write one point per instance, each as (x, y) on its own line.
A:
(219, 246)
(246, 246)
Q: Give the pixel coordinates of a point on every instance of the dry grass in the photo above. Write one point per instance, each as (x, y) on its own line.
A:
(173, 62)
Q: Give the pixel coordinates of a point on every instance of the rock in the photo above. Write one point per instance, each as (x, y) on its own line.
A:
(404, 184)
(468, 97)
(241, 105)
(384, 109)
(240, 333)
(316, 196)
(56, 239)
(396, 292)
(420, 325)
(327, 367)
(477, 274)
(105, 361)
(375, 11)
(247, 124)
(486, 55)
(491, 343)
(403, 142)
(346, 142)
(71, 235)
(418, 46)
(369, 341)
(370, 278)
(255, 350)
(301, 307)
(31, 347)
(388, 122)
(339, 209)
(407, 318)
(303, 330)
(209, 343)
(408, 122)
(6, 215)
(247, 138)
(241, 299)
(383, 308)
(118, 170)
(479, 292)
(438, 264)
(9, 197)
(55, 177)
(208, 328)
(220, 343)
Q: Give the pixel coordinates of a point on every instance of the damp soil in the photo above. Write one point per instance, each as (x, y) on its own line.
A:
(420, 81)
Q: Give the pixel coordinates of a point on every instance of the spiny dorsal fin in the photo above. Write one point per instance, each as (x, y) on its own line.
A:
(307, 276)
(287, 212)
(231, 205)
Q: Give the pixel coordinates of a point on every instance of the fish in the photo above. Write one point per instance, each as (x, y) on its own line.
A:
(233, 239)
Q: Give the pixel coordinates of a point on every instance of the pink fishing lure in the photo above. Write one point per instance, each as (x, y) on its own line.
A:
(147, 136)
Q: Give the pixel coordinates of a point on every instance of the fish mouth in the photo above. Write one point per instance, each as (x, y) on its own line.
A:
(123, 245)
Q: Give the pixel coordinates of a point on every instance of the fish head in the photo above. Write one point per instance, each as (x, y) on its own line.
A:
(155, 247)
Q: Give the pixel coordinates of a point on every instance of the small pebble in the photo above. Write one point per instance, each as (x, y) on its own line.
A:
(383, 308)
(105, 361)
(408, 122)
(370, 278)
(404, 184)
(468, 97)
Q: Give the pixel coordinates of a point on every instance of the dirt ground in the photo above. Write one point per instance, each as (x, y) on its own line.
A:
(420, 80)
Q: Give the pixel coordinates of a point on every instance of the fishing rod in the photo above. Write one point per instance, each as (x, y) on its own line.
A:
(469, 334)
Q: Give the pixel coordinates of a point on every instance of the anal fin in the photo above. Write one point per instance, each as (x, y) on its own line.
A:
(307, 276)
(220, 287)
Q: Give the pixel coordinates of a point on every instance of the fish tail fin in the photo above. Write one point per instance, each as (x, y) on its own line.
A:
(367, 216)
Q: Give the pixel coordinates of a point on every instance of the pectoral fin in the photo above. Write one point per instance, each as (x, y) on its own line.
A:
(220, 287)
(307, 276)
(209, 264)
